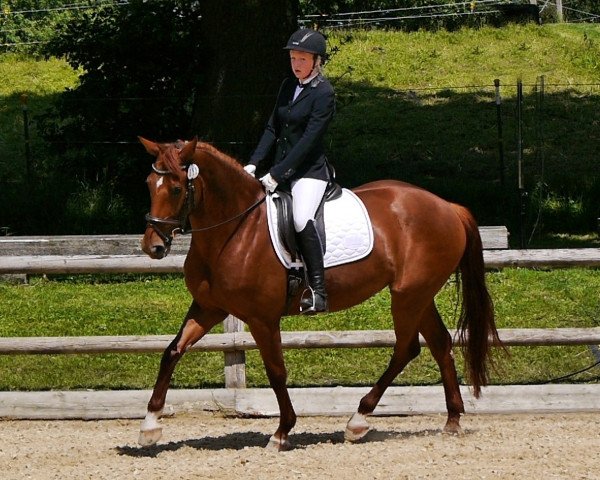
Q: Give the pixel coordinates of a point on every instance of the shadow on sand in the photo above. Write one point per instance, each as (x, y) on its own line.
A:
(242, 440)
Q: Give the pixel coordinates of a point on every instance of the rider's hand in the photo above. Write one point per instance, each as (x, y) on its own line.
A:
(269, 182)
(250, 169)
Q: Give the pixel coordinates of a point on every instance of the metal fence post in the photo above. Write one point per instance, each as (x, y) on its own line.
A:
(500, 135)
(28, 159)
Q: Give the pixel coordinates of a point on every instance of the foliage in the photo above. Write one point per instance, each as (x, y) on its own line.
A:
(145, 305)
(323, 7)
(151, 95)
(26, 25)
(413, 15)
(151, 90)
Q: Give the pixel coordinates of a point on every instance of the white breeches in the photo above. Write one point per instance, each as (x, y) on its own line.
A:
(307, 194)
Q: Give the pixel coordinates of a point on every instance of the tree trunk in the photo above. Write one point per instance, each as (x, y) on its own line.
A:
(246, 64)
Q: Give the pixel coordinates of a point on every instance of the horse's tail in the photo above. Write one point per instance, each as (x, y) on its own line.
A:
(476, 325)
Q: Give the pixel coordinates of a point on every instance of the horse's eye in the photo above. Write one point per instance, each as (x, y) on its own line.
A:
(176, 191)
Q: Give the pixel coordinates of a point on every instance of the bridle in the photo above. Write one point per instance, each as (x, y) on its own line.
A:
(181, 224)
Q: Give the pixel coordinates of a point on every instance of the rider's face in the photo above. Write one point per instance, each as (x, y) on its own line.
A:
(302, 63)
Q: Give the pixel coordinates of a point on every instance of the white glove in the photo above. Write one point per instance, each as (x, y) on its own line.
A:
(250, 169)
(269, 182)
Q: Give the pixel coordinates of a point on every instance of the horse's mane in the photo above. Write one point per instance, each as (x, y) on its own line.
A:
(171, 157)
(223, 157)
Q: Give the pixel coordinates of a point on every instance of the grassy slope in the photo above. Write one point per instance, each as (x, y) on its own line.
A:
(471, 57)
(35, 77)
(420, 107)
(40, 81)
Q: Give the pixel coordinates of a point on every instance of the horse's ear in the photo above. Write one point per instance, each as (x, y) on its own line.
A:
(187, 152)
(151, 147)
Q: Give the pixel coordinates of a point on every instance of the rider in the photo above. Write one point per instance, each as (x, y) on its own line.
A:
(305, 106)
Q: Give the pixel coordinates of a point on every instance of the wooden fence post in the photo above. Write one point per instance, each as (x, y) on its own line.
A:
(559, 10)
(235, 362)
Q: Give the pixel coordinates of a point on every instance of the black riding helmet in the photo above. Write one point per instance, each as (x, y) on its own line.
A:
(307, 40)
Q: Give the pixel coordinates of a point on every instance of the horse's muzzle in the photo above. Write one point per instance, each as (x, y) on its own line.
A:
(155, 243)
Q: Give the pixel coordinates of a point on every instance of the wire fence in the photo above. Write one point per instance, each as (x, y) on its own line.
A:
(15, 106)
(37, 19)
(566, 109)
(461, 11)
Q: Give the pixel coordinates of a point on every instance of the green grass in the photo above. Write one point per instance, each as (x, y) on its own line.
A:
(23, 74)
(39, 81)
(156, 305)
(420, 59)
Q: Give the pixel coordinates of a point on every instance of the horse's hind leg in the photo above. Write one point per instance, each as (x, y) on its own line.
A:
(440, 343)
(196, 324)
(406, 318)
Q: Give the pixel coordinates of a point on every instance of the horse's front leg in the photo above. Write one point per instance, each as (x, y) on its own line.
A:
(196, 324)
(268, 339)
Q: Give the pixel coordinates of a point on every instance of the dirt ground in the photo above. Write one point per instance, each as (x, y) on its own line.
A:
(197, 446)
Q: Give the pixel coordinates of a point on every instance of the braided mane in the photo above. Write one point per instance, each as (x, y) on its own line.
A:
(171, 156)
(224, 158)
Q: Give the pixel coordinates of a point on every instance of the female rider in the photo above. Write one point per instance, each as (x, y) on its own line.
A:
(305, 106)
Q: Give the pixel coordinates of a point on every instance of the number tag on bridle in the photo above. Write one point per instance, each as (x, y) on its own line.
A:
(193, 171)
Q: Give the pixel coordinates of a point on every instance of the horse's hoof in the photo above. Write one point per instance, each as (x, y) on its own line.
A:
(277, 445)
(453, 428)
(149, 437)
(357, 428)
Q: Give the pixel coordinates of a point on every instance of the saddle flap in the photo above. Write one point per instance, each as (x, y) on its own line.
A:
(285, 221)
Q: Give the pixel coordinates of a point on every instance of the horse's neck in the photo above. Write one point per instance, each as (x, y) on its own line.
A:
(227, 191)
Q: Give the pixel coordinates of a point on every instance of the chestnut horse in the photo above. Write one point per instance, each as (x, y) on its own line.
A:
(420, 240)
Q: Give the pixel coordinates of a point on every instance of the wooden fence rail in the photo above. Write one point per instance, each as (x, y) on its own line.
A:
(121, 254)
(114, 264)
(238, 400)
(243, 341)
(493, 237)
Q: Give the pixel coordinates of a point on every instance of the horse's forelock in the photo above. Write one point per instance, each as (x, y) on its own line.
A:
(170, 159)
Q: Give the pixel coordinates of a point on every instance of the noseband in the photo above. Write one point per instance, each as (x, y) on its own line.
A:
(181, 224)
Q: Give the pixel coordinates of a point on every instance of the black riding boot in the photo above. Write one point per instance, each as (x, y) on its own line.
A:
(314, 299)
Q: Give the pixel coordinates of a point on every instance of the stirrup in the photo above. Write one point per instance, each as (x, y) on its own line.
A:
(312, 303)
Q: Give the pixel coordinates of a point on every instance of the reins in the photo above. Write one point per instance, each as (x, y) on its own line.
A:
(248, 210)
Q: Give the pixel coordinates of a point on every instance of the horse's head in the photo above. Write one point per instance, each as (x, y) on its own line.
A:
(172, 194)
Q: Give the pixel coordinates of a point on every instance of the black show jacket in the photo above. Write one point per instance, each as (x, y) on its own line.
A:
(297, 128)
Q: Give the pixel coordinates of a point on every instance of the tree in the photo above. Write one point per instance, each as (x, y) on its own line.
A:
(245, 66)
(164, 70)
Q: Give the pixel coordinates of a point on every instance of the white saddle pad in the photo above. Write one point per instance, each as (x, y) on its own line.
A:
(347, 227)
